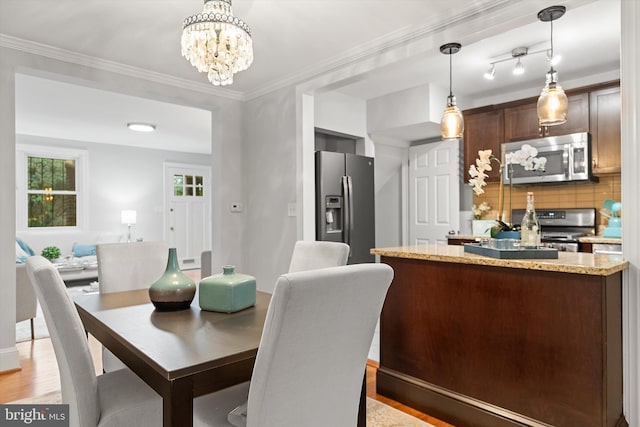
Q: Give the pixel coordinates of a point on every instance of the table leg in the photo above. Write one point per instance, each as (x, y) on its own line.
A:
(177, 404)
(362, 408)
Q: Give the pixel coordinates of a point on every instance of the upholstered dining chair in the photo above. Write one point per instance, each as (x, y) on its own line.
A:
(312, 354)
(116, 398)
(311, 255)
(26, 301)
(126, 267)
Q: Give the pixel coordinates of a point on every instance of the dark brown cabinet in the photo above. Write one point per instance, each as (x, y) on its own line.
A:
(521, 121)
(594, 109)
(605, 130)
(483, 130)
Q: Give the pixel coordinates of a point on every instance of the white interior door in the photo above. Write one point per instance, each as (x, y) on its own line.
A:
(188, 211)
(434, 191)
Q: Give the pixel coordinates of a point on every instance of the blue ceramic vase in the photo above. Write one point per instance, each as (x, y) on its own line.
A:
(227, 292)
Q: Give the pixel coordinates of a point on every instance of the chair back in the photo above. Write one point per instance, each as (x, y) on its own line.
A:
(312, 355)
(308, 255)
(130, 266)
(77, 371)
(26, 301)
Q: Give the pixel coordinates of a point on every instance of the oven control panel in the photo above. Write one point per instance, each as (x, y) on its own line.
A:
(551, 214)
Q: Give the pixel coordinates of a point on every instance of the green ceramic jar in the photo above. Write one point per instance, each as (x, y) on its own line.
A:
(227, 292)
(173, 290)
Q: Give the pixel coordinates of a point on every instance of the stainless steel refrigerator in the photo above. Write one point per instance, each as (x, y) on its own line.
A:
(345, 202)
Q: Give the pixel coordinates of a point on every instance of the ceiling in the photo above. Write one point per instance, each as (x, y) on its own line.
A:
(294, 41)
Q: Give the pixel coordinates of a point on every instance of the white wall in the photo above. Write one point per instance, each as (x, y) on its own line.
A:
(390, 177)
(340, 113)
(119, 177)
(271, 183)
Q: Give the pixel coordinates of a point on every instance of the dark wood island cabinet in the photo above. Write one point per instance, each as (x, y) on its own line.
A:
(478, 341)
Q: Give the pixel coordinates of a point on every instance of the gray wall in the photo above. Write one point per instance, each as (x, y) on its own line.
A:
(271, 182)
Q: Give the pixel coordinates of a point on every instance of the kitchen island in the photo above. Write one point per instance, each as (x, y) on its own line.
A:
(478, 341)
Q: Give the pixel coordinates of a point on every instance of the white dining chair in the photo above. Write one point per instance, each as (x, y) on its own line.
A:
(126, 267)
(312, 354)
(114, 399)
(26, 301)
(311, 255)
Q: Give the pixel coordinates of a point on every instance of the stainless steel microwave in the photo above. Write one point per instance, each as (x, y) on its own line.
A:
(568, 158)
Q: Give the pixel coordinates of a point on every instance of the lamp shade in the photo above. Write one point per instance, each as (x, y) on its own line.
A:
(452, 123)
(128, 217)
(552, 105)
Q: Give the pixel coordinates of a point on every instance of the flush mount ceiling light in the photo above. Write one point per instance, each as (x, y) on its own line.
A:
(452, 124)
(141, 127)
(216, 42)
(552, 103)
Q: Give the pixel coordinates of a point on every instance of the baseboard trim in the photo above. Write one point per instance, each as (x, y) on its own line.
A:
(446, 405)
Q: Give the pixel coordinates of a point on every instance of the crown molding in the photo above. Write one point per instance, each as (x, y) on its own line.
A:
(114, 67)
(377, 46)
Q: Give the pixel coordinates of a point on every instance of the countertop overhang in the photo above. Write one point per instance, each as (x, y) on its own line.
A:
(567, 262)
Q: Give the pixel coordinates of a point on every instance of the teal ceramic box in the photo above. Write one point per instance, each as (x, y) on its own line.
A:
(227, 292)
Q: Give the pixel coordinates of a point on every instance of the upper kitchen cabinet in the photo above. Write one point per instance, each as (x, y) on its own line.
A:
(521, 121)
(483, 130)
(605, 130)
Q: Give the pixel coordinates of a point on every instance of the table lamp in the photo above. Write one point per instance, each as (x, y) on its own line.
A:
(128, 217)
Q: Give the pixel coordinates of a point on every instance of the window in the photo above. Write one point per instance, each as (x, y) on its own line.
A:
(49, 187)
(188, 185)
(51, 192)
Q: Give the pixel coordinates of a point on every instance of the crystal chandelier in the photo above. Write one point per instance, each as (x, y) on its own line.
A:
(216, 42)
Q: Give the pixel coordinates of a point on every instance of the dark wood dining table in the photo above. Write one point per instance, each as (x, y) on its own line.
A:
(180, 354)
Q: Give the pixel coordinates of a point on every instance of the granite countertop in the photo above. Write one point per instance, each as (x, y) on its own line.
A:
(600, 239)
(567, 262)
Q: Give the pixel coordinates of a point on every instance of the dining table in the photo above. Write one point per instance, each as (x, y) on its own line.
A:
(180, 354)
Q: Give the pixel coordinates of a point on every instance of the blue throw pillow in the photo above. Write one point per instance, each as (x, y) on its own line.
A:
(25, 247)
(83, 250)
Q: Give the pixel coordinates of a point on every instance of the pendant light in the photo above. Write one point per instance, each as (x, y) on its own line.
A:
(552, 103)
(452, 124)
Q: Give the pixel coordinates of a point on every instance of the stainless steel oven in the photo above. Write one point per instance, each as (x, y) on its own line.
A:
(562, 228)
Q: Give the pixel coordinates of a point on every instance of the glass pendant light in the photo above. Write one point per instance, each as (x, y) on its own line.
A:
(552, 103)
(452, 124)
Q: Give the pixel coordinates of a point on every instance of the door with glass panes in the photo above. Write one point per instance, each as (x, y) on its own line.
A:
(188, 211)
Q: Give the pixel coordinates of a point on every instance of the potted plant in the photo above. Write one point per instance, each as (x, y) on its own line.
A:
(51, 253)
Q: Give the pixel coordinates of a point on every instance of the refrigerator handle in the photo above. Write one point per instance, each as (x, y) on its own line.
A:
(347, 190)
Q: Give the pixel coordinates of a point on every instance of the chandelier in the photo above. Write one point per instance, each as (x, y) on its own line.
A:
(216, 42)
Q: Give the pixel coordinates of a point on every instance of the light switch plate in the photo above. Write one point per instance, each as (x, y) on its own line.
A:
(292, 209)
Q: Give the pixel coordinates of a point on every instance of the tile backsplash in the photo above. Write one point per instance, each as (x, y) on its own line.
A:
(571, 195)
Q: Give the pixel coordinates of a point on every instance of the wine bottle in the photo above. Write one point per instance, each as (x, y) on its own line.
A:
(530, 227)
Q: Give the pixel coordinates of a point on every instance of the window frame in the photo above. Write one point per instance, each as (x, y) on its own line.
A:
(81, 158)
